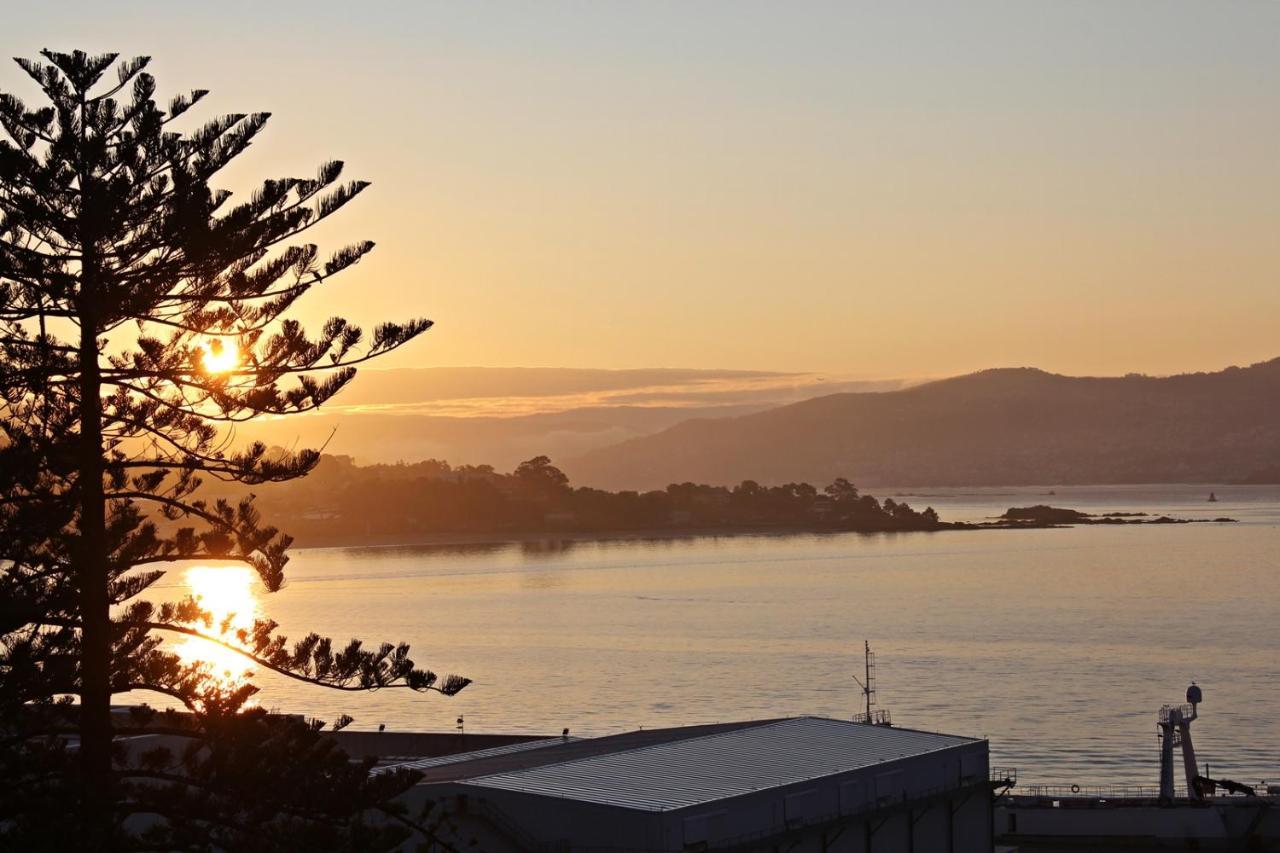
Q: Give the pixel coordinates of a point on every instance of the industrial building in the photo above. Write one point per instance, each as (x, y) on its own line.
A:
(796, 784)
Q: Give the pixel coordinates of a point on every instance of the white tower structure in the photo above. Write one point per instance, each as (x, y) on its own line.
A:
(1175, 730)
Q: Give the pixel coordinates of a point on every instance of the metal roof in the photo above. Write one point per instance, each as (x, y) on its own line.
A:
(458, 757)
(472, 766)
(718, 766)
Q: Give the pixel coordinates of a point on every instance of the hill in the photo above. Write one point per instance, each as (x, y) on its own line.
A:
(500, 416)
(1018, 426)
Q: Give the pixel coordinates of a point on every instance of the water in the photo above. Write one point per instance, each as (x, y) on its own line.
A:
(1058, 645)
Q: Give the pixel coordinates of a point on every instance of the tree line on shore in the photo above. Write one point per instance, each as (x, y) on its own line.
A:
(345, 502)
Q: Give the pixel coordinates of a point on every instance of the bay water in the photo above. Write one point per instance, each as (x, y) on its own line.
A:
(1058, 645)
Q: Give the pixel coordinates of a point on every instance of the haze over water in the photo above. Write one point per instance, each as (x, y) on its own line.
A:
(1058, 645)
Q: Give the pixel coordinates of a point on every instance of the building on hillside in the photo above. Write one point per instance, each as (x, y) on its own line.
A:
(797, 784)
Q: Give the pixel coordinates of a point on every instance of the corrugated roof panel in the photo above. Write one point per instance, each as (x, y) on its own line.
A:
(574, 750)
(457, 757)
(688, 772)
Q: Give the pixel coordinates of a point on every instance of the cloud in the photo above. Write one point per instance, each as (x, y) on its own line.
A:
(516, 392)
(500, 416)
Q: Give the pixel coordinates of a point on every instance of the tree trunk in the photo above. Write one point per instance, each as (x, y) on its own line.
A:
(91, 572)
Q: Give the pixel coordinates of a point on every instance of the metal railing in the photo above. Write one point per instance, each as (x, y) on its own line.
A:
(1167, 711)
(878, 718)
(1092, 792)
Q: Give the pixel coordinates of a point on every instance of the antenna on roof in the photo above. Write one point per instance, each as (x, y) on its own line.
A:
(868, 685)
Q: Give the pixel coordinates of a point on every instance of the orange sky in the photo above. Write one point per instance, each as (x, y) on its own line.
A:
(869, 189)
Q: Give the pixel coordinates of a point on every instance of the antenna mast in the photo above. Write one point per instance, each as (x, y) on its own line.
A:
(869, 684)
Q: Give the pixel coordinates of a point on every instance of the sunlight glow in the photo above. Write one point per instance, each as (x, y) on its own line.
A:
(220, 355)
(227, 593)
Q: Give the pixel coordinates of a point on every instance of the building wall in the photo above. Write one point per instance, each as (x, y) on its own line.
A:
(924, 828)
(839, 799)
(503, 821)
(934, 802)
(1218, 822)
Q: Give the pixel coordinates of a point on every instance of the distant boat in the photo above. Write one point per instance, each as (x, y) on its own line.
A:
(1213, 499)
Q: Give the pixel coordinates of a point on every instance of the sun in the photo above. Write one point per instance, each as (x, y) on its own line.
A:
(227, 593)
(220, 355)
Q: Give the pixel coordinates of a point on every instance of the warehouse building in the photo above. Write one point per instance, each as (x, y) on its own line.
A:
(797, 784)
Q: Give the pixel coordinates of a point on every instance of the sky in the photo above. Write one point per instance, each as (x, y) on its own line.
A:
(860, 188)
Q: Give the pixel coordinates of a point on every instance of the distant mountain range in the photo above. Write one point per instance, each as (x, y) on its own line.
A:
(502, 416)
(1017, 426)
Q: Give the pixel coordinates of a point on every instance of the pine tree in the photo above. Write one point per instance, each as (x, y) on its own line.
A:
(142, 310)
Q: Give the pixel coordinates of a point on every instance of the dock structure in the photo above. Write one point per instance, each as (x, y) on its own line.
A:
(1211, 814)
(799, 784)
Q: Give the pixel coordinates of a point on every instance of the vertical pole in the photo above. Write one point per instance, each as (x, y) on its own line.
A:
(1166, 761)
(91, 551)
(1189, 760)
(867, 664)
(991, 817)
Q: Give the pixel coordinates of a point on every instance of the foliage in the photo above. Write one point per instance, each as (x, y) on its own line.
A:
(141, 310)
(343, 503)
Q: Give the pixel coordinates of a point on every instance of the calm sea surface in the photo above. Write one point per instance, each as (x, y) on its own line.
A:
(1058, 645)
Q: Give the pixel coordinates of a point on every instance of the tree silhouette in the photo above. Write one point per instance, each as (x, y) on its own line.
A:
(141, 310)
(540, 477)
(841, 490)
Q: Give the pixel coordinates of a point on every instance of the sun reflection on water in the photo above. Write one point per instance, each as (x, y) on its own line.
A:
(227, 593)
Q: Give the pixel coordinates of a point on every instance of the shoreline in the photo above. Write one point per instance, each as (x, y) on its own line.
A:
(445, 540)
(549, 537)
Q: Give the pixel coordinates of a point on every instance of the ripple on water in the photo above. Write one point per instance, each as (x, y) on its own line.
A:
(1058, 645)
